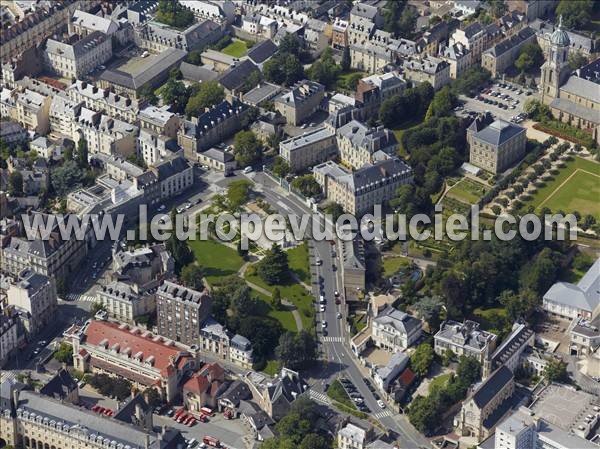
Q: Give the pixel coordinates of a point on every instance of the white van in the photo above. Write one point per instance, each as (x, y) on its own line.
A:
(248, 169)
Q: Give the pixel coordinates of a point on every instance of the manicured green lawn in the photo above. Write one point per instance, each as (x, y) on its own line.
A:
(575, 188)
(265, 308)
(399, 131)
(218, 260)
(298, 261)
(342, 79)
(467, 191)
(273, 367)
(236, 49)
(490, 318)
(439, 381)
(293, 292)
(337, 393)
(391, 265)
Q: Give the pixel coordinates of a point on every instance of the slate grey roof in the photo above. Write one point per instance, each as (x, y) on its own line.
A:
(499, 132)
(264, 91)
(575, 109)
(262, 51)
(197, 73)
(583, 88)
(367, 138)
(472, 29)
(93, 22)
(519, 336)
(507, 44)
(184, 294)
(236, 391)
(301, 91)
(372, 175)
(60, 385)
(465, 334)
(171, 167)
(153, 68)
(210, 118)
(89, 424)
(235, 77)
(75, 50)
(127, 413)
(584, 295)
(486, 391)
(241, 342)
(400, 321)
(219, 155)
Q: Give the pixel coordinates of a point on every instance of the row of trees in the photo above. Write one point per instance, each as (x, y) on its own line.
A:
(411, 103)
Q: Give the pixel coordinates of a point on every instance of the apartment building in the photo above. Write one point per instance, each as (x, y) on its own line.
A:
(501, 56)
(220, 159)
(210, 128)
(145, 359)
(308, 149)
(429, 69)
(159, 120)
(8, 338)
(497, 146)
(174, 175)
(358, 192)
(76, 57)
(32, 29)
(124, 302)
(375, 89)
(104, 100)
(352, 437)
(302, 101)
(47, 254)
(32, 420)
(63, 112)
(202, 389)
(217, 339)
(258, 25)
(360, 144)
(84, 23)
(35, 295)
(32, 110)
(464, 339)
(104, 134)
(458, 56)
(509, 353)
(181, 312)
(394, 330)
(154, 147)
(222, 12)
(473, 37)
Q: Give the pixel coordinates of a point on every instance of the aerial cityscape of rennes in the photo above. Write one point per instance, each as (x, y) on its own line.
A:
(300, 224)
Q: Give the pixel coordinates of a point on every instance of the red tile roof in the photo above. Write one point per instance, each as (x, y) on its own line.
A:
(407, 377)
(212, 370)
(197, 384)
(98, 331)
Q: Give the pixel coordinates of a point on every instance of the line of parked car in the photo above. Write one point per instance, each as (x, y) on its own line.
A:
(354, 395)
(102, 410)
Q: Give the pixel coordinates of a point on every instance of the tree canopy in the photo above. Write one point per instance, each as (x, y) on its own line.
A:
(191, 276)
(174, 14)
(576, 14)
(296, 350)
(204, 95)
(247, 148)
(530, 57)
(274, 268)
(307, 185)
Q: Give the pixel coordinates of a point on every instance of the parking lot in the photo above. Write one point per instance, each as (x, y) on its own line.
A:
(503, 100)
(357, 398)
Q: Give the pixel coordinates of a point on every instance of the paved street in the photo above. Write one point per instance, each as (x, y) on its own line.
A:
(338, 357)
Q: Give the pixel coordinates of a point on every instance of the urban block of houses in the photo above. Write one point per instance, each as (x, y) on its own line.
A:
(572, 301)
(427, 68)
(132, 353)
(501, 56)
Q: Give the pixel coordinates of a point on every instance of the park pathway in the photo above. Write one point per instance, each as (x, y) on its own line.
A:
(266, 292)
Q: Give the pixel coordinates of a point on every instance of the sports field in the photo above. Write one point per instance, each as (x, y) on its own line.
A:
(575, 188)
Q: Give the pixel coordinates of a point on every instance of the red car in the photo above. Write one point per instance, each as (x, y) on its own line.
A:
(202, 418)
(95, 408)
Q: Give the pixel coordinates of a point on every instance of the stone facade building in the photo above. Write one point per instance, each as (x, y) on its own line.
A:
(497, 146)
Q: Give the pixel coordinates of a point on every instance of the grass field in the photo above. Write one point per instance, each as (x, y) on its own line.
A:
(439, 381)
(391, 265)
(298, 260)
(293, 292)
(575, 188)
(467, 191)
(399, 131)
(265, 308)
(218, 260)
(236, 49)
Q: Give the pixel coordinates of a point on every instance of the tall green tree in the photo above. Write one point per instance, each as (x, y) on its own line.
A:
(296, 350)
(247, 148)
(179, 249)
(576, 14)
(421, 358)
(191, 276)
(82, 153)
(15, 183)
(274, 268)
(206, 95)
(346, 61)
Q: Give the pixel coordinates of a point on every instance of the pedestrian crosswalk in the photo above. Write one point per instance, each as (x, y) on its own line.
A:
(80, 297)
(319, 397)
(382, 414)
(334, 339)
